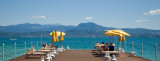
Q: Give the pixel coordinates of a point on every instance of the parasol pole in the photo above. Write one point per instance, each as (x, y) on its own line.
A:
(52, 43)
(112, 38)
(117, 42)
(122, 44)
(60, 43)
(57, 44)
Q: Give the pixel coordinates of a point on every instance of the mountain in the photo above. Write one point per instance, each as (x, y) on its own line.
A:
(141, 32)
(27, 27)
(89, 29)
(92, 27)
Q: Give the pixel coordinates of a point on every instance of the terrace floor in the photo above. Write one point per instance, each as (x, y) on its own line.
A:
(82, 55)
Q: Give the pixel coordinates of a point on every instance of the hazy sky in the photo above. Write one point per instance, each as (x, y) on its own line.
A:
(109, 13)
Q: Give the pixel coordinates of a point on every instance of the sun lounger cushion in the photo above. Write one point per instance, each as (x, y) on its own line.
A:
(34, 54)
(111, 52)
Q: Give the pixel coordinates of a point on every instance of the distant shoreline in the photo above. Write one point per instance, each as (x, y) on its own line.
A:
(80, 37)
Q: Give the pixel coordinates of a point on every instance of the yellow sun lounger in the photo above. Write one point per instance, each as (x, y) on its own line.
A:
(33, 52)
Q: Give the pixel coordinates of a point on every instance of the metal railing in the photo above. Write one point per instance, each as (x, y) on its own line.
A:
(8, 52)
(14, 53)
(141, 46)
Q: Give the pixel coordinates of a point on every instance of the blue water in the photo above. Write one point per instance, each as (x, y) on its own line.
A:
(80, 43)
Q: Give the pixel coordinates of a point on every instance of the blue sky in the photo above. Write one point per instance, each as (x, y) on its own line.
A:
(109, 13)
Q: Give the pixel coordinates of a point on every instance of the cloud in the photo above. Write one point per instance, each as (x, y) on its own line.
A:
(153, 12)
(88, 18)
(140, 21)
(38, 17)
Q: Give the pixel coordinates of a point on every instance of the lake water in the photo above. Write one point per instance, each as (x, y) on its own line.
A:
(80, 43)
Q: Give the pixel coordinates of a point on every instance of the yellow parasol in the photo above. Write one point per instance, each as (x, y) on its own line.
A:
(122, 38)
(56, 36)
(121, 35)
(58, 33)
(61, 37)
(121, 32)
(53, 36)
(110, 32)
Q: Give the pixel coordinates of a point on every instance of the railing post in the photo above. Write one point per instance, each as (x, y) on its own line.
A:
(122, 45)
(31, 43)
(25, 47)
(41, 42)
(3, 53)
(15, 50)
(41, 38)
(125, 46)
(142, 50)
(37, 45)
(117, 44)
(156, 52)
(132, 46)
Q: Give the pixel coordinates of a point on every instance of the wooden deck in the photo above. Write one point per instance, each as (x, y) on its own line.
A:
(82, 55)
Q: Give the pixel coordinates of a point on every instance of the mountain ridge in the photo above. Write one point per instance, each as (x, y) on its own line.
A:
(89, 29)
